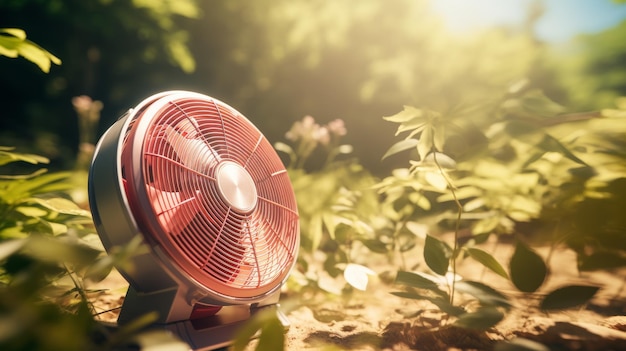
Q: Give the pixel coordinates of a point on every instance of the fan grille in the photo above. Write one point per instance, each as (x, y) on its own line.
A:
(241, 244)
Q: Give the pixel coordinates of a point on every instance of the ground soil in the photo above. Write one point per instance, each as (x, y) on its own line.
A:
(375, 319)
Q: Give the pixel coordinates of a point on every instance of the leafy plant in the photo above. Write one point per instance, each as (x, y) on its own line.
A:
(531, 163)
(335, 201)
(13, 43)
(48, 253)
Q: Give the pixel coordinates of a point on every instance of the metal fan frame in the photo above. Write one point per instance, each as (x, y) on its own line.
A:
(156, 282)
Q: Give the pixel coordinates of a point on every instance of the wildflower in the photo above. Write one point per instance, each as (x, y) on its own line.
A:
(337, 127)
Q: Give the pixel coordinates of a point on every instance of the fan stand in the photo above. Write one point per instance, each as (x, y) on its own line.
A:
(208, 332)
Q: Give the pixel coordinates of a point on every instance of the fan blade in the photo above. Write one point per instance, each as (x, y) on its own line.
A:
(193, 151)
(173, 210)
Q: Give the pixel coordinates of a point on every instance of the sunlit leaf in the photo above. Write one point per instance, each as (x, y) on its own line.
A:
(481, 319)
(437, 180)
(407, 114)
(425, 143)
(528, 271)
(8, 156)
(279, 146)
(345, 149)
(400, 146)
(416, 280)
(62, 205)
(9, 247)
(31, 211)
(50, 249)
(549, 143)
(265, 325)
(13, 42)
(437, 255)
(41, 184)
(357, 275)
(487, 295)
(487, 260)
(16, 32)
(439, 136)
(272, 335)
(439, 160)
(375, 245)
(180, 53)
(534, 104)
(568, 297)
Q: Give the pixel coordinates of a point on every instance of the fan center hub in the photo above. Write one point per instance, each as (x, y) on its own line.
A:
(236, 186)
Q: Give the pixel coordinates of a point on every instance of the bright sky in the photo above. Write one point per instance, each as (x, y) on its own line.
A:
(562, 20)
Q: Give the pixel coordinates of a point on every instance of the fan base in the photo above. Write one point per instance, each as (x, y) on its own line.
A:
(218, 331)
(209, 333)
(202, 333)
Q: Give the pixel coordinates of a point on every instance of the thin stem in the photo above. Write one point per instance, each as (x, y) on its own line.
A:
(80, 289)
(456, 228)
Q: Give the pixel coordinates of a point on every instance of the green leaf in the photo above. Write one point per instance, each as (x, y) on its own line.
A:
(568, 297)
(487, 260)
(272, 336)
(481, 319)
(31, 211)
(528, 271)
(13, 42)
(266, 324)
(400, 146)
(534, 105)
(425, 143)
(375, 245)
(439, 136)
(100, 269)
(8, 156)
(442, 303)
(61, 205)
(44, 183)
(16, 32)
(10, 247)
(439, 160)
(357, 275)
(416, 280)
(437, 255)
(486, 225)
(550, 143)
(407, 114)
(487, 295)
(59, 249)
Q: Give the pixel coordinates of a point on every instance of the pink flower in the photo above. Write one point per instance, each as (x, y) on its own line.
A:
(337, 127)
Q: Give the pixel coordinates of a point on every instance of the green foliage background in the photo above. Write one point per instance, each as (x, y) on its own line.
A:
(496, 134)
(275, 60)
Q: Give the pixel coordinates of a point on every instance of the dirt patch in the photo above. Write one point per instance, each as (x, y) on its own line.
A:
(375, 319)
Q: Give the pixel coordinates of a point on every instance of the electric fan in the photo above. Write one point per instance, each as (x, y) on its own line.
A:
(212, 200)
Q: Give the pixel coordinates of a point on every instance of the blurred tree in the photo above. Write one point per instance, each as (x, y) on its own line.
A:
(110, 49)
(286, 59)
(592, 69)
(274, 60)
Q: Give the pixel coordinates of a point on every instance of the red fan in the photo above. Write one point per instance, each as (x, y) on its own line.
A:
(211, 199)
